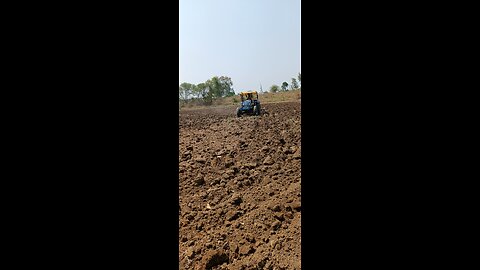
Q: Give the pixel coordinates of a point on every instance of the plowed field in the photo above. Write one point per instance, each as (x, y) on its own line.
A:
(239, 188)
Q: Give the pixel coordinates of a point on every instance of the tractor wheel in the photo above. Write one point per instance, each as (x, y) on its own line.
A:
(256, 110)
(238, 112)
(259, 109)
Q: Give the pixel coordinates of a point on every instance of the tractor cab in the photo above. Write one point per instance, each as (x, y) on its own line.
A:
(250, 103)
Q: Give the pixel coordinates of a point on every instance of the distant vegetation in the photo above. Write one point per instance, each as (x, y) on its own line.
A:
(265, 98)
(205, 93)
(219, 91)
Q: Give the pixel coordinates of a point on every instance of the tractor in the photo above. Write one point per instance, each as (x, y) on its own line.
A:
(250, 104)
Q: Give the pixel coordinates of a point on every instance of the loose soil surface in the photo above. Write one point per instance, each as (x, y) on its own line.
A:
(239, 189)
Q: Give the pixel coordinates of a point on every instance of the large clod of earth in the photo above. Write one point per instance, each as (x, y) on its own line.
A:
(239, 189)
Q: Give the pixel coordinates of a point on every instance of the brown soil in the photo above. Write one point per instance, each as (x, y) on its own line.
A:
(240, 197)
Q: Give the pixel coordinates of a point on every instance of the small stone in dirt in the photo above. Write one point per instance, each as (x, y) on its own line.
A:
(276, 224)
(246, 249)
(190, 147)
(264, 149)
(189, 252)
(228, 163)
(214, 162)
(232, 215)
(234, 248)
(199, 180)
(268, 161)
(200, 160)
(250, 165)
(236, 199)
(276, 167)
(276, 208)
(266, 180)
(279, 216)
(296, 205)
(250, 238)
(289, 215)
(297, 154)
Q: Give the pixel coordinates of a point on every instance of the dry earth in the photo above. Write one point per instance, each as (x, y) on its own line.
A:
(239, 189)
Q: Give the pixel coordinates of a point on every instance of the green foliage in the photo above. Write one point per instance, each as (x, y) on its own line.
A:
(284, 86)
(213, 88)
(226, 85)
(274, 88)
(294, 84)
(185, 90)
(201, 90)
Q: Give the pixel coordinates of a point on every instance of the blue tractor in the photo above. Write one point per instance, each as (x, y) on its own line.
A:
(250, 104)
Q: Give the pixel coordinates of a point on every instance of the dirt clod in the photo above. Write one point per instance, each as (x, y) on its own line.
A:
(213, 258)
(201, 160)
(268, 161)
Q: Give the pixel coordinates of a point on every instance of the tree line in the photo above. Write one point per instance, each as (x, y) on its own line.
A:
(285, 86)
(207, 91)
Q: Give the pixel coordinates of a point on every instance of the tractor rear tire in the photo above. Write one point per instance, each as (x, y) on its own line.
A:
(238, 112)
(256, 109)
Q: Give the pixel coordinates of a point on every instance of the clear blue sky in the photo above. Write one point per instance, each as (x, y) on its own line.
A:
(250, 41)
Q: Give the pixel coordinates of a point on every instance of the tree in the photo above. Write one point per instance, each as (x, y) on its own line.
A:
(214, 88)
(201, 90)
(196, 91)
(300, 79)
(226, 85)
(181, 95)
(284, 86)
(274, 88)
(294, 84)
(185, 90)
(206, 91)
